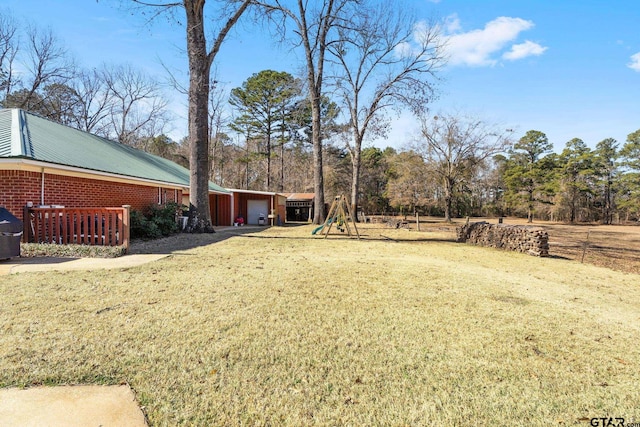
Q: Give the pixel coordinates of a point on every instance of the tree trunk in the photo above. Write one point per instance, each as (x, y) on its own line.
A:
(281, 185)
(282, 139)
(530, 207)
(246, 164)
(606, 214)
(314, 55)
(318, 176)
(199, 72)
(356, 162)
(448, 199)
(269, 157)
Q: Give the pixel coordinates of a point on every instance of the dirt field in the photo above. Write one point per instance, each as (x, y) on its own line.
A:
(612, 246)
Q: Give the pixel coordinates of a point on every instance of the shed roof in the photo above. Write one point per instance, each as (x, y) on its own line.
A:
(28, 136)
(300, 196)
(265, 193)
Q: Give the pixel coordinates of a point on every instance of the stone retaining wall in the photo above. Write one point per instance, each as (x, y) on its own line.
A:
(519, 238)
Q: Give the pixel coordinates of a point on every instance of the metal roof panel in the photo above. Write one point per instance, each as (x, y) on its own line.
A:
(52, 142)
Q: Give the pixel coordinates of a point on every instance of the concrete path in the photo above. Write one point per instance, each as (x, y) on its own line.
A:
(25, 265)
(70, 406)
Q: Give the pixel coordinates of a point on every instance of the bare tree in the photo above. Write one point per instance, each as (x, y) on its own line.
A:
(94, 104)
(136, 105)
(218, 139)
(47, 69)
(409, 185)
(315, 24)
(201, 58)
(47, 62)
(9, 45)
(453, 146)
(384, 60)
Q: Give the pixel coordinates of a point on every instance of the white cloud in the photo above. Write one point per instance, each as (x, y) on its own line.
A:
(635, 62)
(452, 24)
(403, 49)
(522, 50)
(479, 47)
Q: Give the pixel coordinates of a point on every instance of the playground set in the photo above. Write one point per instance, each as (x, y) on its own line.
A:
(339, 215)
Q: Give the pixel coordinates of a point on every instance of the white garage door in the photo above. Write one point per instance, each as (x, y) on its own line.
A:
(255, 208)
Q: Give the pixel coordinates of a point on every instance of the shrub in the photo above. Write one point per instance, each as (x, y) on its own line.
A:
(156, 221)
(165, 217)
(139, 225)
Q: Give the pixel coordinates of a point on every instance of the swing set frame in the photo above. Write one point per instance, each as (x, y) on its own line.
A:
(340, 214)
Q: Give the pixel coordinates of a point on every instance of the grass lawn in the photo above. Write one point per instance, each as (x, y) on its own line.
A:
(281, 328)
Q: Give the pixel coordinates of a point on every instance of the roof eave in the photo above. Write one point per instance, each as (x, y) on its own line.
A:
(66, 168)
(265, 193)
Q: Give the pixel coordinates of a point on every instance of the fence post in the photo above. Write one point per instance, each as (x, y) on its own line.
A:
(126, 227)
(26, 225)
(586, 244)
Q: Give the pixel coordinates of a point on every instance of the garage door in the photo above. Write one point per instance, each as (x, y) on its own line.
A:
(255, 208)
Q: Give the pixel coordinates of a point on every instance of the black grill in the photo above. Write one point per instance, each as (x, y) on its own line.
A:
(10, 234)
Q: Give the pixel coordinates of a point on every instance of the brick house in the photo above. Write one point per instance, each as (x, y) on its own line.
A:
(46, 163)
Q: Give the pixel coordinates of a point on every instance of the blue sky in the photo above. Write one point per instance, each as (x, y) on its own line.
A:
(568, 68)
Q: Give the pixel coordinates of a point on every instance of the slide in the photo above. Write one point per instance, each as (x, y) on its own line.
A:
(315, 230)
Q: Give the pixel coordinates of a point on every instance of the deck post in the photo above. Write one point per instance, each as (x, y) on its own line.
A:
(26, 225)
(126, 227)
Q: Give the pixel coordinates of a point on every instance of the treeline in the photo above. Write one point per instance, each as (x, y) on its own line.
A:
(458, 166)
(578, 184)
(261, 139)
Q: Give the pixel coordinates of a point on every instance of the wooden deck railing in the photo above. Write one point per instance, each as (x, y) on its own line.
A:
(82, 226)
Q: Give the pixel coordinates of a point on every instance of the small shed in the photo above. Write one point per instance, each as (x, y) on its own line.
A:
(300, 207)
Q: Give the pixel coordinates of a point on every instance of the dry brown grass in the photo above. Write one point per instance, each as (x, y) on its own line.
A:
(281, 328)
(612, 246)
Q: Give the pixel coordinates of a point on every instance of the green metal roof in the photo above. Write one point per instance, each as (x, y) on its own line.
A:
(29, 136)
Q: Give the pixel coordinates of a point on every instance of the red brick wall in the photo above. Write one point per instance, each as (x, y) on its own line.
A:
(19, 187)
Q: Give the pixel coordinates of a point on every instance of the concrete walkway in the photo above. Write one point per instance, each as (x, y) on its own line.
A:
(26, 265)
(70, 406)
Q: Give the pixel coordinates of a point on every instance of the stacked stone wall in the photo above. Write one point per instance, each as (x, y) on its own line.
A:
(526, 239)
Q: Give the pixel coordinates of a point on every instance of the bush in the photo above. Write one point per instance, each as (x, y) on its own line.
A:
(165, 217)
(156, 221)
